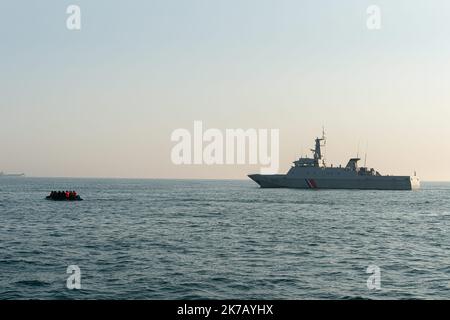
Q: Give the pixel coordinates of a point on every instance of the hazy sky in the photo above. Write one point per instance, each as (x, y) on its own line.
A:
(104, 100)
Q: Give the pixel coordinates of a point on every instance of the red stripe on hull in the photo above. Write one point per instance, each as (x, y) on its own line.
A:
(308, 183)
(313, 183)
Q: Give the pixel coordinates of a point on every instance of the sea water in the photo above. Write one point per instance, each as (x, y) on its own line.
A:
(210, 239)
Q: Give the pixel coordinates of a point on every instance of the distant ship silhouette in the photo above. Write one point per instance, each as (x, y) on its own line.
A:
(2, 174)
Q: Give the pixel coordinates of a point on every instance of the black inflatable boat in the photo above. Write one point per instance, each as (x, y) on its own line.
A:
(63, 196)
(77, 198)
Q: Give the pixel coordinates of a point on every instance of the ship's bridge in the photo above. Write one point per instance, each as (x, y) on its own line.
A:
(305, 162)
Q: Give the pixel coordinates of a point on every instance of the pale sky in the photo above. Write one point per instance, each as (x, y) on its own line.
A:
(104, 100)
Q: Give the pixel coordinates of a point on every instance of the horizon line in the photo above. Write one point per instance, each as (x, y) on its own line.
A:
(150, 178)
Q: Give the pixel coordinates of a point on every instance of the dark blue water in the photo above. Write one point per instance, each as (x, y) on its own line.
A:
(157, 239)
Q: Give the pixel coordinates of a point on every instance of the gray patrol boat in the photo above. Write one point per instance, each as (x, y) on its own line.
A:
(312, 173)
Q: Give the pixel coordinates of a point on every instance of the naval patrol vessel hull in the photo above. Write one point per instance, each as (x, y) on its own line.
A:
(313, 173)
(368, 183)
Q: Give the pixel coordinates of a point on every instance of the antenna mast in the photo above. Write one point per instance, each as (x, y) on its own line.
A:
(365, 159)
(357, 151)
(323, 136)
(365, 155)
(324, 144)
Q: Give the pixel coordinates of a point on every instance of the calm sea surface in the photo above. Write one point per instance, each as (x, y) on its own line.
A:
(169, 239)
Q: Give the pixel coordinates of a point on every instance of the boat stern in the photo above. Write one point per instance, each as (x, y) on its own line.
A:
(415, 182)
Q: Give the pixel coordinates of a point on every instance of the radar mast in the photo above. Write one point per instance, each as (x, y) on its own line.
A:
(317, 150)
